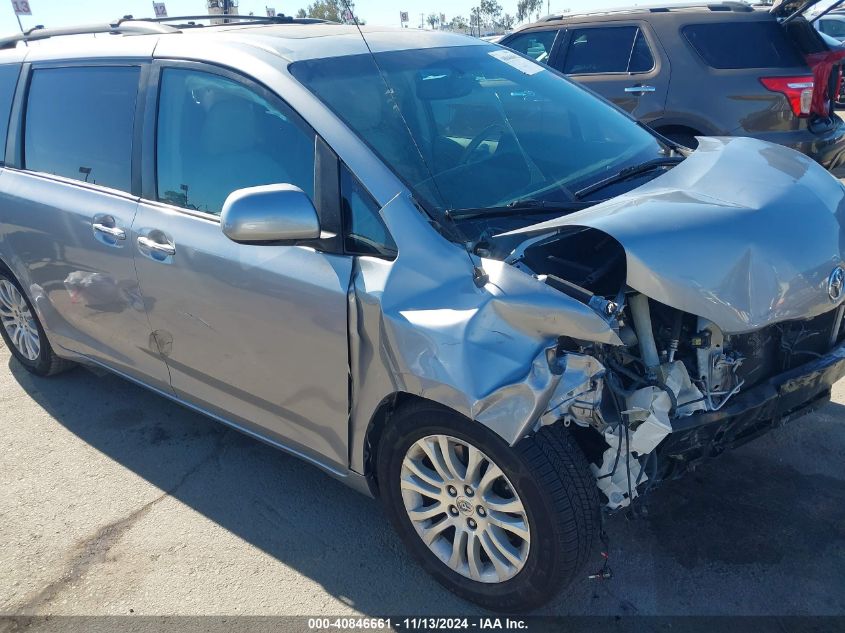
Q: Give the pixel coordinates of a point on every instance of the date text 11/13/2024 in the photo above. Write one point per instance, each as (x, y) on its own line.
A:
(420, 623)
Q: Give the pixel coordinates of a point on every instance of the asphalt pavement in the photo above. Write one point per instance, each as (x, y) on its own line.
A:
(116, 501)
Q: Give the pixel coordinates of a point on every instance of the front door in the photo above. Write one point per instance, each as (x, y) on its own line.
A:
(622, 62)
(256, 334)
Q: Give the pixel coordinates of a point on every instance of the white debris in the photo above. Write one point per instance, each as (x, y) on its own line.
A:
(647, 412)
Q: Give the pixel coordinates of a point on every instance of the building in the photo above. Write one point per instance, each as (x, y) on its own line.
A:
(216, 7)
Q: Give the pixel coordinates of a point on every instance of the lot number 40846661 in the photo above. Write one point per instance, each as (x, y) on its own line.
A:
(21, 7)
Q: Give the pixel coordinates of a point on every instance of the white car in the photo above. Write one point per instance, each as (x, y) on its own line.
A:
(832, 24)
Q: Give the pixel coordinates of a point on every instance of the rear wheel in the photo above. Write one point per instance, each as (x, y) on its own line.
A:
(505, 527)
(22, 332)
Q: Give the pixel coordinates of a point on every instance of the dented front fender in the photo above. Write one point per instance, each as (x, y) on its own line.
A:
(421, 325)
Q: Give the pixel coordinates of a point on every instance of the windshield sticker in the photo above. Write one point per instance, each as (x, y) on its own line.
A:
(520, 63)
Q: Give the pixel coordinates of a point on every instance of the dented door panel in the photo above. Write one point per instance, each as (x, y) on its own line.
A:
(255, 334)
(69, 245)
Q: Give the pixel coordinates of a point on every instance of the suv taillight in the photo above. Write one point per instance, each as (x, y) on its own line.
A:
(798, 90)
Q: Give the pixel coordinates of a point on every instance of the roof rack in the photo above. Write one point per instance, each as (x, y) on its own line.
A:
(129, 25)
(188, 20)
(726, 5)
(125, 26)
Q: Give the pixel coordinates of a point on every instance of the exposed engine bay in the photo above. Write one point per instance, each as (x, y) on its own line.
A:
(623, 402)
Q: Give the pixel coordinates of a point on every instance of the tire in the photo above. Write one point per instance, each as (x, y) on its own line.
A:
(30, 346)
(547, 474)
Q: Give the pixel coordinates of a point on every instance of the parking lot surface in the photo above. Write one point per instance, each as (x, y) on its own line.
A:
(116, 501)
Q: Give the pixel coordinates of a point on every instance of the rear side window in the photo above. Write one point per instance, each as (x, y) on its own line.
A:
(616, 49)
(535, 44)
(834, 28)
(8, 81)
(641, 60)
(79, 124)
(743, 45)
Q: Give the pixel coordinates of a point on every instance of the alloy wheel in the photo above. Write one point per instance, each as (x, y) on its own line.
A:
(18, 321)
(464, 509)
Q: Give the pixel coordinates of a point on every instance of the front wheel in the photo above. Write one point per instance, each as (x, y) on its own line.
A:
(505, 527)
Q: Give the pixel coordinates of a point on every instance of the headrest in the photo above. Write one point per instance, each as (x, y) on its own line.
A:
(230, 126)
(366, 102)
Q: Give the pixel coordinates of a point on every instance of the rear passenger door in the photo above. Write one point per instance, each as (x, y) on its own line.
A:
(621, 61)
(68, 204)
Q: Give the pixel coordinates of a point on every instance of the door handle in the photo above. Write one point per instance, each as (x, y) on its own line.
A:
(112, 231)
(158, 247)
(640, 89)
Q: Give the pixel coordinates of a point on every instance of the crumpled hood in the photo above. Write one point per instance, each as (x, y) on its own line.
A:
(743, 232)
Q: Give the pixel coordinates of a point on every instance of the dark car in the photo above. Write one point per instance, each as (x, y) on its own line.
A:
(721, 69)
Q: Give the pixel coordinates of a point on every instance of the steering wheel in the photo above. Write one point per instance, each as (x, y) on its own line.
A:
(477, 140)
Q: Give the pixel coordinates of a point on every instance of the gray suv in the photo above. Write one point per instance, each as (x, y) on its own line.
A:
(719, 69)
(429, 266)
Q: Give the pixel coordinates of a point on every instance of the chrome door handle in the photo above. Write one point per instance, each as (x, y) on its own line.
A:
(113, 231)
(158, 247)
(640, 89)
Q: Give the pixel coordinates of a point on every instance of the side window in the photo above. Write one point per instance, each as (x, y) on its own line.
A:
(8, 82)
(834, 28)
(601, 50)
(757, 44)
(642, 60)
(79, 124)
(364, 233)
(536, 44)
(216, 135)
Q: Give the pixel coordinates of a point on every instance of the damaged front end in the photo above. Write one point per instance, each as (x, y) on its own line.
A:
(729, 314)
(661, 326)
(679, 390)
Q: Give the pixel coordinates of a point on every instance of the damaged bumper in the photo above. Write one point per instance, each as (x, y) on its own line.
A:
(774, 402)
(656, 438)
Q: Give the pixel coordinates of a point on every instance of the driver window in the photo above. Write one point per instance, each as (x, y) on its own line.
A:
(216, 135)
(535, 44)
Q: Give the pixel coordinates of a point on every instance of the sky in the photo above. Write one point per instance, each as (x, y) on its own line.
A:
(53, 13)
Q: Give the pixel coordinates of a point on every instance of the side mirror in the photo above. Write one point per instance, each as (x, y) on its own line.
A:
(270, 213)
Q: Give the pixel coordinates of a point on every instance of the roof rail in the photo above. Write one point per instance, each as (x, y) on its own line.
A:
(126, 26)
(741, 7)
(725, 5)
(188, 20)
(129, 25)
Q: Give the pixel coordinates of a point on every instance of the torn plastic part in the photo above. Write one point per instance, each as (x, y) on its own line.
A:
(688, 397)
(647, 411)
(578, 396)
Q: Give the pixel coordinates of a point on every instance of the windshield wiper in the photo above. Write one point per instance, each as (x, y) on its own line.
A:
(629, 172)
(528, 206)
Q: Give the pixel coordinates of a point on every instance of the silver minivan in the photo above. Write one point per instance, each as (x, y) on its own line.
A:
(430, 266)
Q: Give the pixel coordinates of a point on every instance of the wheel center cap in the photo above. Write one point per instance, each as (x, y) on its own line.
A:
(464, 505)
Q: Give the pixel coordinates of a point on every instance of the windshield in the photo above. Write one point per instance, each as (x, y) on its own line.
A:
(478, 127)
